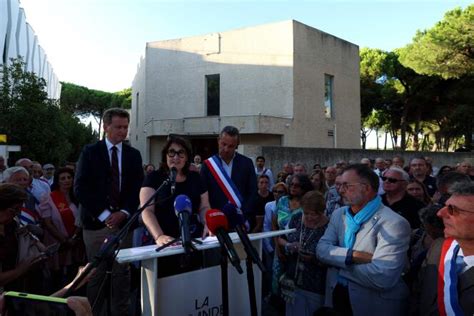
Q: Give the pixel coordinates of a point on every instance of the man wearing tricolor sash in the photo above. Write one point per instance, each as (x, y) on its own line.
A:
(230, 176)
(447, 275)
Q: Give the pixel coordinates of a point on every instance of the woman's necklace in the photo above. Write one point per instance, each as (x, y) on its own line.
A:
(305, 236)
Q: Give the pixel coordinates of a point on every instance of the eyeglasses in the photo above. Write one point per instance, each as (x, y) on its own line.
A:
(454, 209)
(181, 153)
(346, 185)
(279, 191)
(391, 180)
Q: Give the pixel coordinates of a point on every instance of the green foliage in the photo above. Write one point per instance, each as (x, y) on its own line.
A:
(83, 101)
(44, 132)
(381, 96)
(424, 88)
(395, 98)
(446, 49)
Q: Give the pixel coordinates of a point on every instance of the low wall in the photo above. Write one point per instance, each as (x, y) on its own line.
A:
(276, 156)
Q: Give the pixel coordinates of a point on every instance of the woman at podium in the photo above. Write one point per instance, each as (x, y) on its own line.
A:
(160, 218)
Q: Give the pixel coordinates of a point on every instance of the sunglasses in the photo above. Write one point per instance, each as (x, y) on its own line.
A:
(181, 153)
(452, 209)
(391, 180)
(279, 191)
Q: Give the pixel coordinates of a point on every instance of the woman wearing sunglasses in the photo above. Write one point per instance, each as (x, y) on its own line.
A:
(160, 218)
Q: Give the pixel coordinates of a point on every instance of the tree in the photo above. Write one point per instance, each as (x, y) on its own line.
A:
(446, 49)
(380, 97)
(396, 98)
(84, 102)
(31, 120)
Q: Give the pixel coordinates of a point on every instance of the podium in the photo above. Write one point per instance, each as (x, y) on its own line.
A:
(196, 292)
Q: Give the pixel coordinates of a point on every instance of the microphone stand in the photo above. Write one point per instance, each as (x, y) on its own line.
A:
(224, 282)
(112, 244)
(251, 286)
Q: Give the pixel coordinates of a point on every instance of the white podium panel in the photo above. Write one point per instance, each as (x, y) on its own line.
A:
(198, 292)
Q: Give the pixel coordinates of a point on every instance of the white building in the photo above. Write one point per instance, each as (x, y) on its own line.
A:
(284, 84)
(17, 39)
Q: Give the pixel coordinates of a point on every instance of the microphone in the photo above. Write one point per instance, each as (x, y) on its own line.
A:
(183, 209)
(218, 225)
(172, 179)
(237, 221)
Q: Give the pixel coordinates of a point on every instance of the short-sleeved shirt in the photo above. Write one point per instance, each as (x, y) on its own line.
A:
(407, 207)
(284, 213)
(164, 207)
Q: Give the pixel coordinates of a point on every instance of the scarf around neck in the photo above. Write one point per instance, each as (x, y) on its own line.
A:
(353, 223)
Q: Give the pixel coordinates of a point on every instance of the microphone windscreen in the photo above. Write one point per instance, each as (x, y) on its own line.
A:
(173, 172)
(182, 203)
(216, 219)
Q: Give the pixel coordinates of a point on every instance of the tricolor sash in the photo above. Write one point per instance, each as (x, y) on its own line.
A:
(225, 183)
(28, 217)
(448, 303)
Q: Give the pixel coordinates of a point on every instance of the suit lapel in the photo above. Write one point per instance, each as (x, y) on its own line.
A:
(366, 228)
(235, 172)
(124, 163)
(466, 280)
(105, 154)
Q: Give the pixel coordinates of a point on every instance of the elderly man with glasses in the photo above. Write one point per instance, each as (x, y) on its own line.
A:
(365, 247)
(447, 276)
(395, 181)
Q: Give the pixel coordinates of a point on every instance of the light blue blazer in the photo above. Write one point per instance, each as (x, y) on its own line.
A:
(375, 288)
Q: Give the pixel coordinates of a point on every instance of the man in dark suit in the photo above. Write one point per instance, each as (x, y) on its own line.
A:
(238, 167)
(458, 219)
(107, 184)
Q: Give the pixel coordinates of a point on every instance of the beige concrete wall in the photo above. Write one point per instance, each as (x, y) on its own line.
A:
(277, 156)
(155, 144)
(138, 128)
(255, 67)
(271, 87)
(316, 54)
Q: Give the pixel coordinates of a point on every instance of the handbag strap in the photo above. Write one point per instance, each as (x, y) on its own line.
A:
(301, 245)
(298, 256)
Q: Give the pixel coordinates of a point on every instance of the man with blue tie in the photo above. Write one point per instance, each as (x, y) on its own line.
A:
(447, 275)
(107, 184)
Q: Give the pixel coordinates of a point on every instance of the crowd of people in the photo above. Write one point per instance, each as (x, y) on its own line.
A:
(377, 235)
(368, 235)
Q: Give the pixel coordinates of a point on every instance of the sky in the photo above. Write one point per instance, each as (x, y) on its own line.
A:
(98, 43)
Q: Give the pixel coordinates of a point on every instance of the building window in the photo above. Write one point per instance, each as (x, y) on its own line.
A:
(213, 94)
(328, 95)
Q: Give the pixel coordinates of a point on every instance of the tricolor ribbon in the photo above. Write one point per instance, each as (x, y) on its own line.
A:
(28, 217)
(224, 181)
(448, 303)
